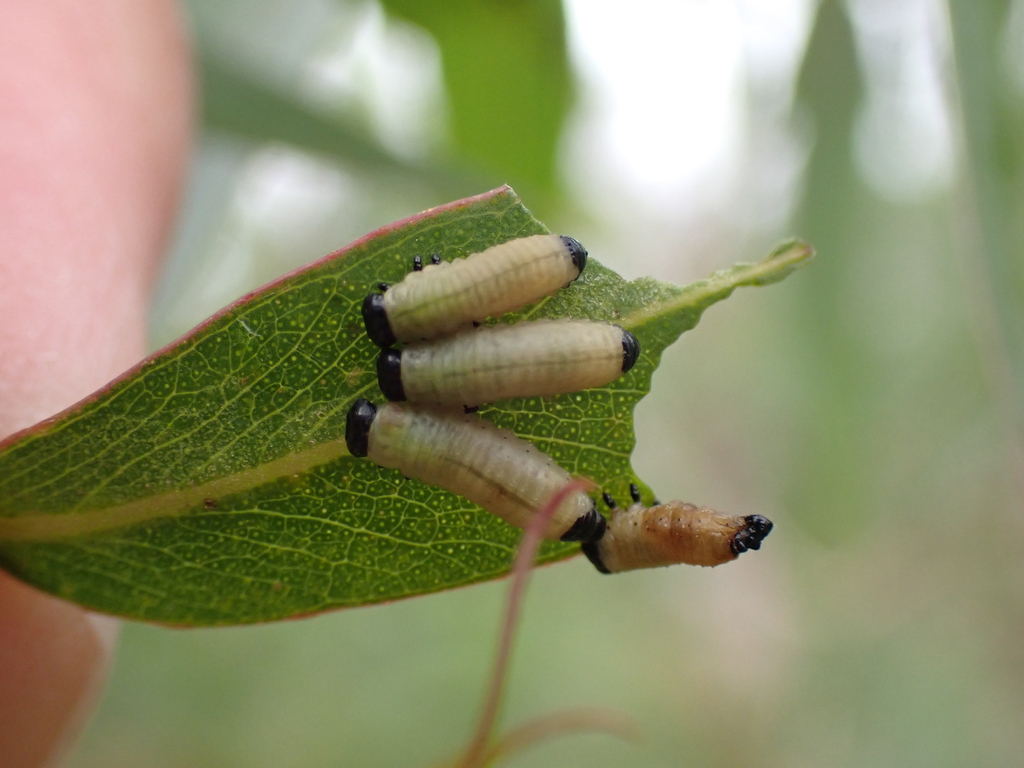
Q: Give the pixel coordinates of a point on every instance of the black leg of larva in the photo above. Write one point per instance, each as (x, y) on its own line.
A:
(435, 258)
(655, 503)
(634, 493)
(383, 286)
(417, 264)
(609, 501)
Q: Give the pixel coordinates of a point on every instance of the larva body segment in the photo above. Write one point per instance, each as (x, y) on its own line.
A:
(528, 359)
(672, 533)
(442, 298)
(471, 457)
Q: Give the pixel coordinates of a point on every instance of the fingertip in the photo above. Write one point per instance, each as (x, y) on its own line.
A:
(54, 658)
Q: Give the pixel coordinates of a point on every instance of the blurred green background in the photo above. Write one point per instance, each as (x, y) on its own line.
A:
(870, 405)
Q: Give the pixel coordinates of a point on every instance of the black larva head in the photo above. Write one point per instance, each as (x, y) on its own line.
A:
(357, 427)
(389, 374)
(757, 527)
(630, 350)
(593, 553)
(588, 527)
(577, 252)
(375, 318)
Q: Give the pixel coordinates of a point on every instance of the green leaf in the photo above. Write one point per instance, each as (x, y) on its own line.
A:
(211, 484)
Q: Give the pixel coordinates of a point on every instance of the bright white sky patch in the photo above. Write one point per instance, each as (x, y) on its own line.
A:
(668, 87)
(662, 83)
(903, 141)
(774, 33)
(390, 69)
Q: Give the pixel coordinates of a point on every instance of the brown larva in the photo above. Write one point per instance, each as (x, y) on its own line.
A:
(445, 296)
(528, 359)
(473, 458)
(671, 533)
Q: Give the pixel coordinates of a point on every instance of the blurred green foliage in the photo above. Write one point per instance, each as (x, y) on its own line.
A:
(240, 104)
(870, 407)
(507, 80)
(830, 497)
(507, 75)
(993, 215)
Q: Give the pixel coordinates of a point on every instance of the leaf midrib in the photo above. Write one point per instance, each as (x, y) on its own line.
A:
(47, 526)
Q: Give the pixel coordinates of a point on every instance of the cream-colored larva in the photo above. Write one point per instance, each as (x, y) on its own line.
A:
(445, 296)
(473, 458)
(529, 359)
(672, 533)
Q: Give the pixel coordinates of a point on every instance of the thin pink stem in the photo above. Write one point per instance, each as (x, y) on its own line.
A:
(560, 723)
(477, 752)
